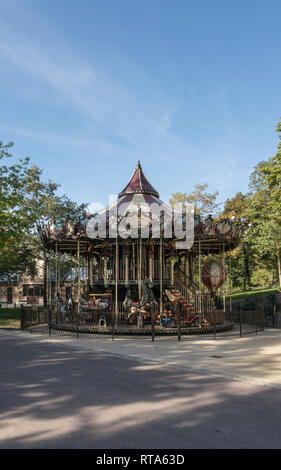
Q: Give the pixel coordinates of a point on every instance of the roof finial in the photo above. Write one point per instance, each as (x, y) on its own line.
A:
(138, 184)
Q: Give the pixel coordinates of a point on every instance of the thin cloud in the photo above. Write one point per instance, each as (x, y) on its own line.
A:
(106, 102)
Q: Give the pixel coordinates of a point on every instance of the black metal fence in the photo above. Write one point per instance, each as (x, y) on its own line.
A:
(175, 324)
(31, 316)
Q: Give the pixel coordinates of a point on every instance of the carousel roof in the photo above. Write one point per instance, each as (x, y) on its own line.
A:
(138, 194)
(139, 184)
(134, 200)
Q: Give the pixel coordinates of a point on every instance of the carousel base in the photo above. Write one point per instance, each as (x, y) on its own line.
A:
(132, 330)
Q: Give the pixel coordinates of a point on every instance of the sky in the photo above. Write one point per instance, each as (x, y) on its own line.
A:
(191, 89)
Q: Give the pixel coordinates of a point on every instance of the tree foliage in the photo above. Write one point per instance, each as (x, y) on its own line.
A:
(26, 202)
(261, 207)
(204, 202)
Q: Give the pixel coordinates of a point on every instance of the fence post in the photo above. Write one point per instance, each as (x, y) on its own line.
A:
(22, 317)
(215, 324)
(179, 322)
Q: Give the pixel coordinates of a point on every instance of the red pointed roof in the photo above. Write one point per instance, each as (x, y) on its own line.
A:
(138, 184)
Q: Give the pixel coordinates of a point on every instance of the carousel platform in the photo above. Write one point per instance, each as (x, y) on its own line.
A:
(146, 331)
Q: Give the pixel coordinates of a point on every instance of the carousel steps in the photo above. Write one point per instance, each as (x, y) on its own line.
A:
(189, 310)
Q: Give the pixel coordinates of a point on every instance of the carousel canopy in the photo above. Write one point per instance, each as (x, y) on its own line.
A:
(140, 206)
(141, 202)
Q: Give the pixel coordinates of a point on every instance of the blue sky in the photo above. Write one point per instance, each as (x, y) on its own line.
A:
(190, 88)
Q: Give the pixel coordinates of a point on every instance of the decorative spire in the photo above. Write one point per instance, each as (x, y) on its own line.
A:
(138, 184)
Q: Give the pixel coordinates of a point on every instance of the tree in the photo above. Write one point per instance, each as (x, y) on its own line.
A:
(204, 202)
(26, 203)
(235, 207)
(261, 207)
(15, 217)
(271, 171)
(265, 216)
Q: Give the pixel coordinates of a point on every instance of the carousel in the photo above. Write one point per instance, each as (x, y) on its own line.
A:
(138, 279)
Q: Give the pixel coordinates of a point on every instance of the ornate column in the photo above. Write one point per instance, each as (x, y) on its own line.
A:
(200, 293)
(230, 280)
(78, 276)
(133, 260)
(172, 263)
(172, 271)
(116, 279)
(90, 271)
(56, 280)
(105, 270)
(106, 252)
(126, 251)
(151, 260)
(161, 273)
(139, 264)
(224, 271)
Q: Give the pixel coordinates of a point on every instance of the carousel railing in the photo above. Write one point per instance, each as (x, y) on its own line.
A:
(201, 301)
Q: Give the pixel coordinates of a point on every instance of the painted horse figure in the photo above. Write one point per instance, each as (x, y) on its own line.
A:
(138, 308)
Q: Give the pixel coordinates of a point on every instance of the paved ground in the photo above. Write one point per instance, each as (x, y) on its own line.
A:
(253, 358)
(61, 393)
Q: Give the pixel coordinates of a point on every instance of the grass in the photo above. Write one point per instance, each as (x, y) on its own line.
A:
(9, 317)
(253, 293)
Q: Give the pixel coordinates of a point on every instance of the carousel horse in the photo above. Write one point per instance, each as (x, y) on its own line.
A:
(137, 307)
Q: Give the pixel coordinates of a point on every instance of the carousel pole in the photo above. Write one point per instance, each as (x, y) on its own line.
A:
(133, 261)
(59, 280)
(223, 258)
(56, 280)
(126, 259)
(139, 266)
(116, 277)
(78, 276)
(200, 293)
(172, 270)
(89, 272)
(71, 280)
(126, 270)
(50, 281)
(161, 274)
(230, 282)
(151, 263)
(47, 280)
(105, 271)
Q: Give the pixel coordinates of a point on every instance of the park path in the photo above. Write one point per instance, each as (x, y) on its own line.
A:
(58, 394)
(253, 358)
